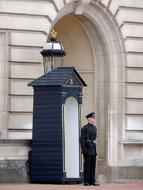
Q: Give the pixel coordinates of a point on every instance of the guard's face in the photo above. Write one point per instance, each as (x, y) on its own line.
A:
(91, 120)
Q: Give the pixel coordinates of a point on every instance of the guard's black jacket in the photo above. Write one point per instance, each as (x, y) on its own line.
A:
(88, 137)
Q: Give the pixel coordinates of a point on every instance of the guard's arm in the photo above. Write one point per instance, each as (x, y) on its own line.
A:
(83, 140)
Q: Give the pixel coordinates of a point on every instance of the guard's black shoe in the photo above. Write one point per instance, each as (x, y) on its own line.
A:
(95, 184)
(86, 184)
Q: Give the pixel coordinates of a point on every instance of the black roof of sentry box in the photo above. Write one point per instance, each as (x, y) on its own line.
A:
(61, 76)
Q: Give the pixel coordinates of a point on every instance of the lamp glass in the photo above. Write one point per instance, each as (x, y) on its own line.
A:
(48, 45)
(57, 46)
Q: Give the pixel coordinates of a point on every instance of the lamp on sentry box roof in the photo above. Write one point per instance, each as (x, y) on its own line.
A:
(56, 155)
(51, 52)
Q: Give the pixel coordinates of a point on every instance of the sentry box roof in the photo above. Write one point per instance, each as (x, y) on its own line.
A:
(61, 76)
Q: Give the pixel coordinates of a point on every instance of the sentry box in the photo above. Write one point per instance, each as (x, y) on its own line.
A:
(56, 153)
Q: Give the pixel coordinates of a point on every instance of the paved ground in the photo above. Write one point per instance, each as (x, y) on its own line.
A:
(111, 186)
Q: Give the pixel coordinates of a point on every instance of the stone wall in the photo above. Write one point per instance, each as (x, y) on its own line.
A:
(24, 28)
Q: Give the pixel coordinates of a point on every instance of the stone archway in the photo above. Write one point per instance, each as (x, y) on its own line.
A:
(107, 83)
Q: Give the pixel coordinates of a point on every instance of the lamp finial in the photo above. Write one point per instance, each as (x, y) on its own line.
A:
(53, 34)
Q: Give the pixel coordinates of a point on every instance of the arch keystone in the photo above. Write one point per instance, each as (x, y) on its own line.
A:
(81, 6)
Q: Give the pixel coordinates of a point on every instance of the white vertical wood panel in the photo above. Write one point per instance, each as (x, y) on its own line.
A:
(71, 138)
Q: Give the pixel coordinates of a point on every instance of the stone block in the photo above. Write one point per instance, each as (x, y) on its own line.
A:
(134, 123)
(134, 75)
(114, 5)
(13, 172)
(134, 60)
(134, 90)
(133, 45)
(20, 121)
(20, 87)
(132, 30)
(68, 1)
(13, 151)
(59, 4)
(124, 173)
(131, 3)
(135, 136)
(20, 135)
(21, 103)
(26, 55)
(29, 7)
(105, 2)
(129, 15)
(26, 71)
(24, 22)
(134, 106)
(28, 39)
(3, 125)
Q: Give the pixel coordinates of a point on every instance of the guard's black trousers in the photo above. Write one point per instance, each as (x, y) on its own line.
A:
(89, 168)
